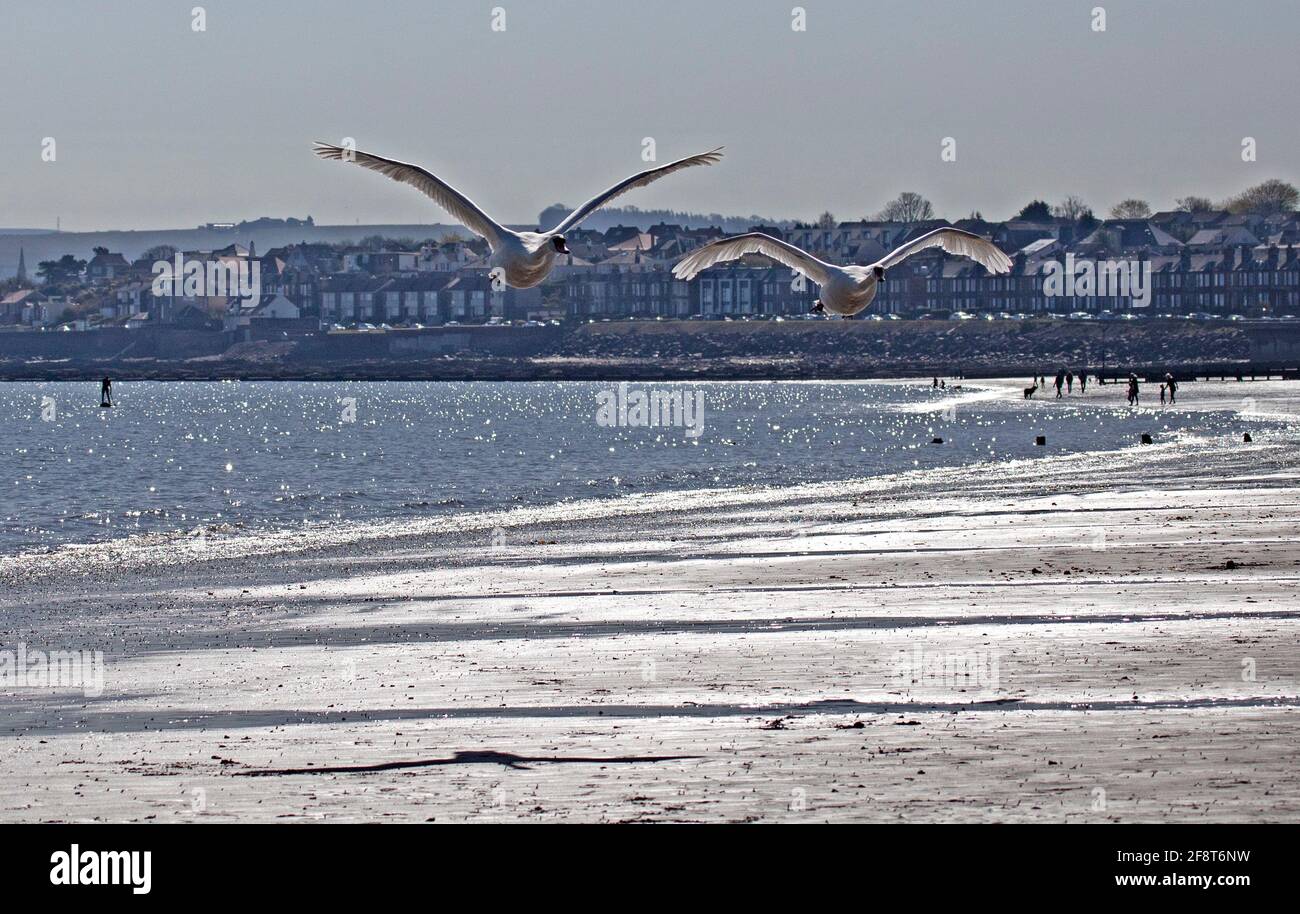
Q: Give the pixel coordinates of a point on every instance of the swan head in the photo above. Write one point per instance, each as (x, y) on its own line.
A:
(561, 246)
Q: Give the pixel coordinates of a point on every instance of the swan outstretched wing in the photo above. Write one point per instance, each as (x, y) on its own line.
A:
(459, 206)
(637, 180)
(953, 241)
(752, 243)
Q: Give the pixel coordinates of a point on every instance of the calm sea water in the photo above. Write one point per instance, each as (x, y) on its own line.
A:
(268, 455)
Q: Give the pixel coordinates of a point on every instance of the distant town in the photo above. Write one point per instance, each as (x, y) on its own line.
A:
(1207, 262)
(1236, 262)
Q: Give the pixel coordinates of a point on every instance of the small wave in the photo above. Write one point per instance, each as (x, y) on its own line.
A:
(442, 503)
(947, 402)
(1166, 463)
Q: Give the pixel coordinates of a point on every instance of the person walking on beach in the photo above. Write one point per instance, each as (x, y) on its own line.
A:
(1173, 388)
(1162, 395)
(936, 381)
(1133, 390)
(1060, 382)
(1083, 383)
(1069, 382)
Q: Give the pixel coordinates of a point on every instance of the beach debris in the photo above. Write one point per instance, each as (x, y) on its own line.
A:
(482, 757)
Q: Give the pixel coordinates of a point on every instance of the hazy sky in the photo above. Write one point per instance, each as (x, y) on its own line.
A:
(158, 126)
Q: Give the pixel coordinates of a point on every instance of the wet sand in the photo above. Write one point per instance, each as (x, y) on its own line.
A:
(1106, 637)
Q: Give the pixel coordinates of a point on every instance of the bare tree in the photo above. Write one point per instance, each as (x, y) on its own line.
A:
(1130, 209)
(1072, 208)
(826, 220)
(1193, 204)
(907, 207)
(1266, 199)
(159, 252)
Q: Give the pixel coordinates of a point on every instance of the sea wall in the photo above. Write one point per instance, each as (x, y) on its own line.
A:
(664, 350)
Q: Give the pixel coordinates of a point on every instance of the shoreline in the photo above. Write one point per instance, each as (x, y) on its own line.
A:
(160, 548)
(665, 350)
(743, 657)
(524, 370)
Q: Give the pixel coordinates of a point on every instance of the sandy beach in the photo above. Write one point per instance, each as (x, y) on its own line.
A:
(1107, 637)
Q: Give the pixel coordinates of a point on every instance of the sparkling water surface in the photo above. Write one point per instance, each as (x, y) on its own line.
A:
(214, 456)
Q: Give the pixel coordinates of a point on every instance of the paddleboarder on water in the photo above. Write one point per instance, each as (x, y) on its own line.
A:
(106, 392)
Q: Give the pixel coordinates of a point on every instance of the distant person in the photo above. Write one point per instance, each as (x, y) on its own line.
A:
(1060, 382)
(1134, 391)
(1162, 394)
(1083, 383)
(936, 382)
(943, 385)
(106, 392)
(1069, 382)
(1173, 388)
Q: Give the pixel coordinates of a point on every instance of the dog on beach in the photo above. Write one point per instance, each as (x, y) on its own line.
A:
(1030, 391)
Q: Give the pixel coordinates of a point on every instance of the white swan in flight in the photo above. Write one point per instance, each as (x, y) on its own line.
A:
(844, 290)
(524, 258)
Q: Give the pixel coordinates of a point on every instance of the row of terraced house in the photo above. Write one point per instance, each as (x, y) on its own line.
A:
(1198, 262)
(1224, 264)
